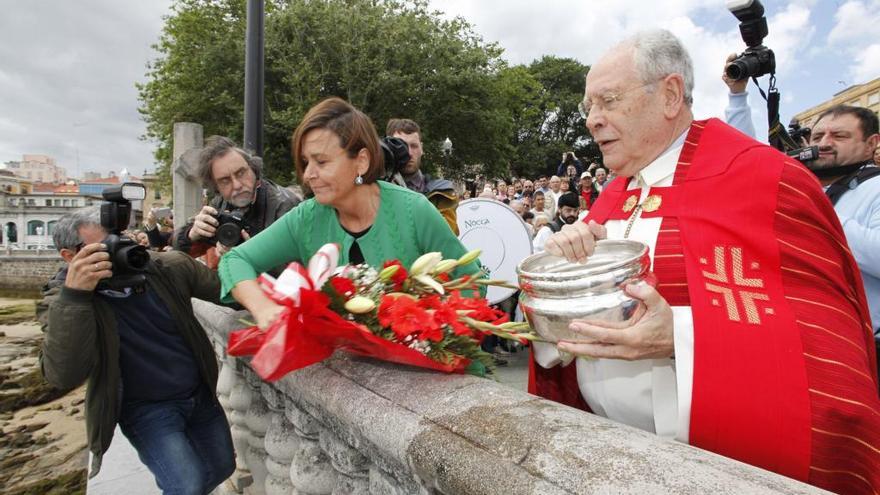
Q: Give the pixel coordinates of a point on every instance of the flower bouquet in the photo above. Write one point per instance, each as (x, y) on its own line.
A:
(415, 316)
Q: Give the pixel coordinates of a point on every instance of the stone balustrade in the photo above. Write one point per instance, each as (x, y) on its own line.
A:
(355, 426)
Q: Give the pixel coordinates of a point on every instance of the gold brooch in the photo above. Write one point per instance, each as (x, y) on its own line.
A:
(652, 203)
(629, 204)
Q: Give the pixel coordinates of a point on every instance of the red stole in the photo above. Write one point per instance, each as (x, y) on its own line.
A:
(784, 368)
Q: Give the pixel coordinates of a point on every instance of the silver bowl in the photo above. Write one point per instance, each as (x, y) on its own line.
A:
(555, 291)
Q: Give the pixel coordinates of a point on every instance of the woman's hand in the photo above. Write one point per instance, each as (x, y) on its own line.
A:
(264, 310)
(266, 314)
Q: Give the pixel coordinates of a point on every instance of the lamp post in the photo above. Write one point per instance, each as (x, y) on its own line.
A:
(446, 149)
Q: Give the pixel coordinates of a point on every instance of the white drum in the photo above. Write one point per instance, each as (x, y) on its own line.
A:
(502, 236)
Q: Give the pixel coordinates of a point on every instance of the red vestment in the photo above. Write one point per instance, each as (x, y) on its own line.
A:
(784, 367)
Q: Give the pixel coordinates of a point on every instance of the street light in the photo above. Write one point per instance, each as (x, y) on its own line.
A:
(446, 149)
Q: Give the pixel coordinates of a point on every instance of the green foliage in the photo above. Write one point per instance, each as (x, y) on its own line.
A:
(389, 58)
(542, 99)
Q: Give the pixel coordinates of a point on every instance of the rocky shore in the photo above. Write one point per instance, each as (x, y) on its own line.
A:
(43, 441)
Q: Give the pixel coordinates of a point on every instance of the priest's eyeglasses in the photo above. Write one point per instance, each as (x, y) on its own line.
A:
(606, 102)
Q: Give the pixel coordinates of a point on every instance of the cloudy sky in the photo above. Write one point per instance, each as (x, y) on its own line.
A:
(68, 68)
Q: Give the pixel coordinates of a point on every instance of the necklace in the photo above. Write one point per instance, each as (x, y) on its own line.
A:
(632, 220)
(649, 204)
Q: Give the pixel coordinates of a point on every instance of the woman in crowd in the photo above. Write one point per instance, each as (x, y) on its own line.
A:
(337, 156)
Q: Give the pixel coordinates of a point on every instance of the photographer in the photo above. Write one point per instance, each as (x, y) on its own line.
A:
(847, 138)
(440, 192)
(738, 114)
(149, 365)
(159, 227)
(569, 160)
(249, 199)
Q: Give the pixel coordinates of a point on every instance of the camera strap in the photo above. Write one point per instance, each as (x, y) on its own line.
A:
(850, 182)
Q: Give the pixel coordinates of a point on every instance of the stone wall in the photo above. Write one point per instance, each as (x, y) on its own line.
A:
(353, 425)
(28, 270)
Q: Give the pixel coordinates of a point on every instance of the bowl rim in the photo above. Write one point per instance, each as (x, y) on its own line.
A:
(642, 250)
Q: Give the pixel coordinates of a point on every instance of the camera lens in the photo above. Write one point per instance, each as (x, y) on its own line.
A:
(136, 257)
(228, 234)
(737, 70)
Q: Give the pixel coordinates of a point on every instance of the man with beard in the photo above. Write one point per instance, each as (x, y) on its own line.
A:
(847, 137)
(566, 214)
(235, 176)
(440, 192)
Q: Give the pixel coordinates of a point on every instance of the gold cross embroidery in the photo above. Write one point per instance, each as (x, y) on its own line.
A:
(743, 287)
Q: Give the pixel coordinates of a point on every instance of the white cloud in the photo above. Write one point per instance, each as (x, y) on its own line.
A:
(867, 66)
(855, 21)
(854, 30)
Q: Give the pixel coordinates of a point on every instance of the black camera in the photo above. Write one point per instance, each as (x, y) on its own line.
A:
(798, 136)
(396, 153)
(230, 223)
(128, 257)
(798, 133)
(757, 60)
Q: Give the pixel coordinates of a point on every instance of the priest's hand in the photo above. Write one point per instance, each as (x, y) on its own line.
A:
(576, 242)
(647, 335)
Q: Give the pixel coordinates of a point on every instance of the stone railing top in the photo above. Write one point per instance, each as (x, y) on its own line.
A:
(457, 434)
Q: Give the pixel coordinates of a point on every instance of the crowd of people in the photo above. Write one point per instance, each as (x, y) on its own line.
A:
(546, 204)
(757, 342)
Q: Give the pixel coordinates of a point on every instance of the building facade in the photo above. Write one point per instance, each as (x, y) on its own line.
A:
(27, 221)
(38, 168)
(865, 95)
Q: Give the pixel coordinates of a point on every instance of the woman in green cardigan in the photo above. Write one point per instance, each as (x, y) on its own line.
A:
(337, 156)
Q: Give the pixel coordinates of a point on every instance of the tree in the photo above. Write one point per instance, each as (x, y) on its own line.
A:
(390, 59)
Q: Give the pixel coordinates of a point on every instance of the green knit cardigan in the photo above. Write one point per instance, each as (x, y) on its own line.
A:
(406, 226)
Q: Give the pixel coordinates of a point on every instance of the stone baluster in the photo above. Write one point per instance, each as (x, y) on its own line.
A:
(225, 381)
(257, 421)
(382, 483)
(239, 403)
(310, 470)
(352, 466)
(281, 442)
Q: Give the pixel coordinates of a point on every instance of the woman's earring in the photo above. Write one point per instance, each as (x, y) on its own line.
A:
(359, 180)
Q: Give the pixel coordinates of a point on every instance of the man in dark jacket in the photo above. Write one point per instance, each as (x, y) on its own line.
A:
(235, 176)
(440, 192)
(149, 364)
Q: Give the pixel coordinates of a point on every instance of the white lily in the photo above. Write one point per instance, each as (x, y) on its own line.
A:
(430, 282)
(445, 266)
(469, 256)
(360, 305)
(425, 263)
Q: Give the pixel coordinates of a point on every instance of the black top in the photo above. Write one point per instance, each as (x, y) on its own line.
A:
(355, 256)
(154, 360)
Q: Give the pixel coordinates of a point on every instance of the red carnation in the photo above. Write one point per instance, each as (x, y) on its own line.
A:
(447, 316)
(399, 276)
(343, 286)
(434, 332)
(431, 302)
(386, 305)
(479, 308)
(408, 318)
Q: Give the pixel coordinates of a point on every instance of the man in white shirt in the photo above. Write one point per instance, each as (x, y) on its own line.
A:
(757, 313)
(551, 196)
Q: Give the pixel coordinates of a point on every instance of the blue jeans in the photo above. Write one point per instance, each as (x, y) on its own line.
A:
(185, 443)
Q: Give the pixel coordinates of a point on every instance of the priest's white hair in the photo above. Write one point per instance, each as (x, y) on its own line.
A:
(659, 53)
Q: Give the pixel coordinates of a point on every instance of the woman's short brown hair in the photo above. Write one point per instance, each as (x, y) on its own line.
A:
(355, 130)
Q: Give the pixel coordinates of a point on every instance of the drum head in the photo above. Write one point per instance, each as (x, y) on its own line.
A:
(501, 235)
